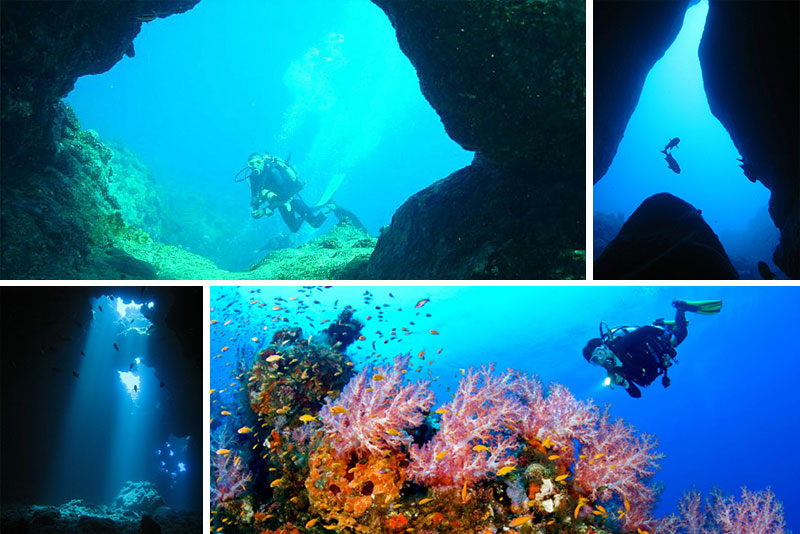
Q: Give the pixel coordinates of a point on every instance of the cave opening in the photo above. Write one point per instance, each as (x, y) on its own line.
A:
(673, 103)
(323, 85)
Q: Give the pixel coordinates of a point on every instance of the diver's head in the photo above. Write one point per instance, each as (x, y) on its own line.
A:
(256, 162)
(598, 354)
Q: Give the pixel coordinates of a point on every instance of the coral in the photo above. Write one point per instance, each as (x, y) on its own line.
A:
(230, 474)
(379, 407)
(480, 414)
(354, 493)
(140, 497)
(282, 391)
(756, 513)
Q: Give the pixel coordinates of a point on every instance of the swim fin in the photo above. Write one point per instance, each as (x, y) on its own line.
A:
(706, 307)
(333, 186)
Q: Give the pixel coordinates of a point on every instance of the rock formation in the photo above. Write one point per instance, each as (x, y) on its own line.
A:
(665, 239)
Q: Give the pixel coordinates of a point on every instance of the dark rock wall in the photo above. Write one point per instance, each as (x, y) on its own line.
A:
(750, 55)
(507, 79)
(56, 209)
(478, 223)
(629, 37)
(665, 239)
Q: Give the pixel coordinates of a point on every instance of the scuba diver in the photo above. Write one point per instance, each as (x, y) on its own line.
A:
(274, 184)
(637, 355)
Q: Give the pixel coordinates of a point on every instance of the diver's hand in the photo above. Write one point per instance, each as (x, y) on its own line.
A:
(268, 212)
(288, 205)
(257, 213)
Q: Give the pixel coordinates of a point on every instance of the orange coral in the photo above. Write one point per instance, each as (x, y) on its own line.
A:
(355, 492)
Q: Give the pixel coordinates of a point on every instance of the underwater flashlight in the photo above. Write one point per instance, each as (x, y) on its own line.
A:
(607, 381)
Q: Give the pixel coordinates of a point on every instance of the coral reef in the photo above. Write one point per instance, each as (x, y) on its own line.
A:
(374, 409)
(756, 513)
(665, 239)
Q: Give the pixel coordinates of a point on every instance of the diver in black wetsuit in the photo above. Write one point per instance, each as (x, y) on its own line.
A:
(275, 183)
(637, 355)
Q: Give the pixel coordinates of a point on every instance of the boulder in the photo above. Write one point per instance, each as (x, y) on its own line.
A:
(481, 222)
(666, 238)
(140, 497)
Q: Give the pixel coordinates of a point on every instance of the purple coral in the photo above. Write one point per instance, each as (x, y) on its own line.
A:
(227, 468)
(756, 513)
(481, 415)
(375, 408)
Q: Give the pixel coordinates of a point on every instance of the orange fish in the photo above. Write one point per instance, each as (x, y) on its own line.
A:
(224, 348)
(559, 478)
(255, 339)
(245, 430)
(276, 308)
(435, 332)
(422, 303)
(214, 321)
(520, 520)
(312, 522)
(441, 455)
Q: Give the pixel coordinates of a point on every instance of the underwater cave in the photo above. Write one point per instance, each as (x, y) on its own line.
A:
(136, 174)
(726, 88)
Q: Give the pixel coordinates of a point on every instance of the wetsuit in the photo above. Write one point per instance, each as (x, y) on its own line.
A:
(645, 351)
(277, 179)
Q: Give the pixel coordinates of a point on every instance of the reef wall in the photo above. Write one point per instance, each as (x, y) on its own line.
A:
(750, 55)
(57, 217)
(508, 81)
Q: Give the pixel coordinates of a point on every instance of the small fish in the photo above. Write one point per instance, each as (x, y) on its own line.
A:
(421, 303)
(505, 470)
(425, 500)
(338, 409)
(223, 451)
(640, 531)
(276, 308)
(76, 375)
(275, 482)
(672, 164)
(101, 308)
(599, 455)
(307, 418)
(225, 412)
(442, 411)
(116, 347)
(274, 358)
(312, 522)
(627, 504)
(671, 144)
(377, 378)
(440, 455)
(224, 348)
(581, 502)
(517, 521)
(393, 432)
(214, 321)
(435, 332)
(212, 391)
(553, 457)
(559, 478)
(147, 18)
(255, 339)
(361, 338)
(480, 448)
(245, 430)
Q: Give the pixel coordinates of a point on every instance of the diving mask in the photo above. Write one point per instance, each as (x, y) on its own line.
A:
(602, 356)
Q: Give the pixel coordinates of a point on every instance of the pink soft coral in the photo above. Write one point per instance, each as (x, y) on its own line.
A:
(757, 513)
(481, 413)
(380, 405)
(230, 475)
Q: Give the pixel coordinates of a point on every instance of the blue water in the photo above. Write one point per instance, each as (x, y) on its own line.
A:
(323, 81)
(728, 419)
(673, 103)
